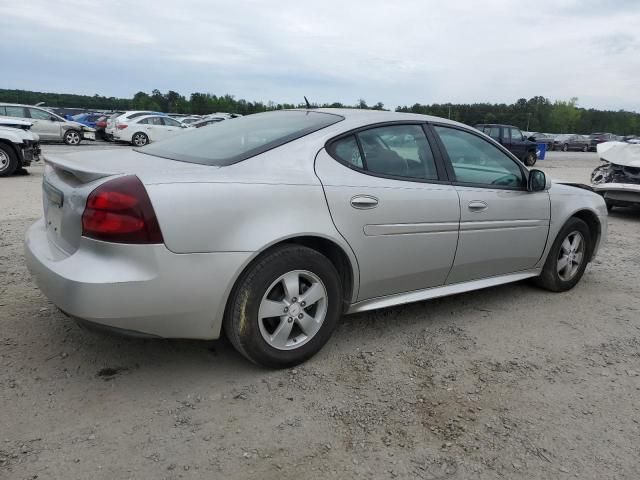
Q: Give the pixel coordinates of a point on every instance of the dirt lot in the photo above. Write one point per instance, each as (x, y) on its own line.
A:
(511, 382)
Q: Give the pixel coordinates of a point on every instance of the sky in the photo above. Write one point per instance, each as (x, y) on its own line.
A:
(398, 52)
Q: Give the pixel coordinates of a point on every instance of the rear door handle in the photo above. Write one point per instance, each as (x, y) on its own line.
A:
(364, 202)
(477, 206)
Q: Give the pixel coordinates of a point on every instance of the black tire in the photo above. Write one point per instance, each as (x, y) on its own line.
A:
(530, 159)
(241, 322)
(139, 139)
(565, 148)
(8, 160)
(585, 149)
(549, 279)
(72, 137)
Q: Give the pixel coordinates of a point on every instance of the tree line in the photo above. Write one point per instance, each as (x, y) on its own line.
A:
(537, 114)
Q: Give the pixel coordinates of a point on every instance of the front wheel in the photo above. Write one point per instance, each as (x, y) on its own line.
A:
(8, 160)
(585, 149)
(568, 257)
(284, 307)
(565, 148)
(530, 159)
(72, 137)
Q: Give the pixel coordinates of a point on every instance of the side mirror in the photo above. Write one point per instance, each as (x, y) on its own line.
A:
(53, 119)
(537, 181)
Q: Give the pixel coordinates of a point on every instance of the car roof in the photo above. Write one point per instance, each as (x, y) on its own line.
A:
(358, 115)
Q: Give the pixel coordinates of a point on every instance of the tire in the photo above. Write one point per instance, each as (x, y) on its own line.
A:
(260, 291)
(551, 278)
(139, 139)
(565, 148)
(530, 159)
(72, 137)
(8, 160)
(585, 149)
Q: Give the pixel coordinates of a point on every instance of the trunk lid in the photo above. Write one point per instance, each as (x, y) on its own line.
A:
(68, 181)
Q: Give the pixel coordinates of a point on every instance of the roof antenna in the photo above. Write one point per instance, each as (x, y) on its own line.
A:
(307, 102)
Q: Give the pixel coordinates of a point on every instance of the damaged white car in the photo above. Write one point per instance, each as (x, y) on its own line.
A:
(618, 178)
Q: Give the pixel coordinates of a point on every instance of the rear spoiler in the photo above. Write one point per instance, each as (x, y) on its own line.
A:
(82, 173)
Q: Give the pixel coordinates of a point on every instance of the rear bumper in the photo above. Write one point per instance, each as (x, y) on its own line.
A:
(144, 289)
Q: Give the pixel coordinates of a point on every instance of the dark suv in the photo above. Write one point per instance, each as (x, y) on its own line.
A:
(513, 140)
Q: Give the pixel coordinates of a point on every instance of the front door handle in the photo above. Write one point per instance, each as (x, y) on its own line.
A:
(477, 206)
(364, 202)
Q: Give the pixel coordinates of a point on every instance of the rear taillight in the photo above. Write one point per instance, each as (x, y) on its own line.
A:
(120, 211)
(101, 124)
(121, 126)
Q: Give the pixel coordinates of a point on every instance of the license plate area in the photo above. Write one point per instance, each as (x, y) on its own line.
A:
(53, 211)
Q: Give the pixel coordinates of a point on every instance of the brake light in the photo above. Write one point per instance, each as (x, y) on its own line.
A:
(121, 126)
(101, 124)
(120, 211)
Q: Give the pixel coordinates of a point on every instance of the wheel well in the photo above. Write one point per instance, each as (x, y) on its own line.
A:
(329, 249)
(591, 219)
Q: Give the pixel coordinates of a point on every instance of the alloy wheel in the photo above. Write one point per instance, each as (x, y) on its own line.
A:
(73, 138)
(139, 140)
(292, 310)
(4, 161)
(571, 256)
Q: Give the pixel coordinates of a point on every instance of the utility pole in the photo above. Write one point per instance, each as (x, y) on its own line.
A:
(528, 118)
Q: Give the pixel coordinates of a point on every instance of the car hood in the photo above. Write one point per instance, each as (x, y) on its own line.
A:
(620, 153)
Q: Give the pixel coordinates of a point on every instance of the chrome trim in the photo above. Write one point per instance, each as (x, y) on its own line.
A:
(443, 291)
(502, 224)
(409, 228)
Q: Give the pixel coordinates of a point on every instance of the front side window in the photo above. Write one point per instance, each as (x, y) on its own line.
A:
(39, 114)
(240, 138)
(476, 161)
(395, 150)
(516, 134)
(170, 122)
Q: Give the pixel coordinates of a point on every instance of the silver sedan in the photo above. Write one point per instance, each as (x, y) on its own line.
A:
(270, 227)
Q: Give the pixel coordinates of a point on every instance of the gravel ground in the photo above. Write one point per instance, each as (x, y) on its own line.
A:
(510, 382)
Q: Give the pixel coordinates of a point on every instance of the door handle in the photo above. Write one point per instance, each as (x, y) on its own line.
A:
(477, 206)
(364, 202)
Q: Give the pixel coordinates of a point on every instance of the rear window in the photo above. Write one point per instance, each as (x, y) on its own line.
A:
(240, 138)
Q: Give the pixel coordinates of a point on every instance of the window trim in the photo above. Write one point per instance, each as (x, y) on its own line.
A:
(491, 141)
(443, 177)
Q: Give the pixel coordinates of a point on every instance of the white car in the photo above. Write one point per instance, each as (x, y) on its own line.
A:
(123, 117)
(148, 128)
(19, 146)
(189, 120)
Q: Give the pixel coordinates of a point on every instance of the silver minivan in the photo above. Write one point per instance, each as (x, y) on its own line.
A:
(48, 125)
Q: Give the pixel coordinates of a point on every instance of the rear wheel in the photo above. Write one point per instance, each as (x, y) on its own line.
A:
(72, 137)
(8, 160)
(585, 148)
(565, 148)
(530, 159)
(568, 257)
(284, 307)
(139, 139)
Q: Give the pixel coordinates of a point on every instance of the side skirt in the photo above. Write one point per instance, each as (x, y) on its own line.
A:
(443, 291)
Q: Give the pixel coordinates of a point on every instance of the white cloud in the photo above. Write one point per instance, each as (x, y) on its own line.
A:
(396, 52)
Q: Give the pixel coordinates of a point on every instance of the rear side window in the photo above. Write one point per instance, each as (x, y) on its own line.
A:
(394, 150)
(240, 138)
(19, 112)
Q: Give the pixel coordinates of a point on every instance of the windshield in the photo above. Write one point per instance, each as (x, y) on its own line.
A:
(240, 138)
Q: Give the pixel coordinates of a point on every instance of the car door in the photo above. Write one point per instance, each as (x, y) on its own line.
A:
(45, 124)
(503, 227)
(154, 128)
(389, 198)
(172, 127)
(518, 142)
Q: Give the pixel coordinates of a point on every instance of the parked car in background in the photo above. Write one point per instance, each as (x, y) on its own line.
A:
(19, 146)
(618, 178)
(88, 119)
(113, 120)
(272, 226)
(513, 140)
(545, 138)
(48, 125)
(207, 121)
(101, 125)
(598, 138)
(189, 120)
(141, 130)
(572, 142)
